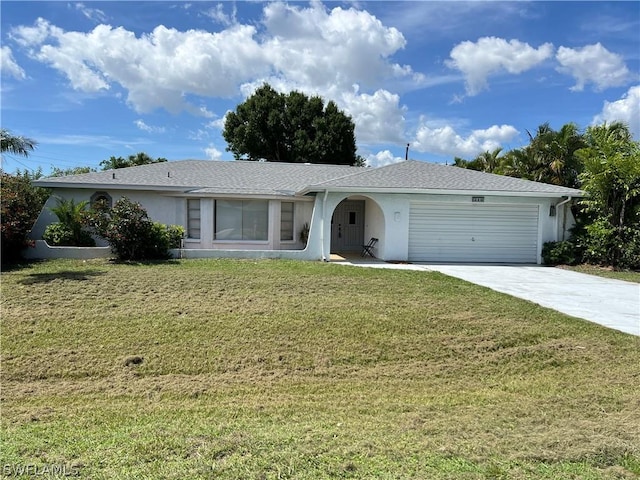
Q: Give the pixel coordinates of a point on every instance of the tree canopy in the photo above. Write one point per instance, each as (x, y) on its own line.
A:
(140, 158)
(277, 127)
(550, 157)
(611, 178)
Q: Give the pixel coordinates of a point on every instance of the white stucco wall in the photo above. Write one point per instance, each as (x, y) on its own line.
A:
(387, 218)
(172, 210)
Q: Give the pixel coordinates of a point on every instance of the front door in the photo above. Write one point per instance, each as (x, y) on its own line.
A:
(347, 226)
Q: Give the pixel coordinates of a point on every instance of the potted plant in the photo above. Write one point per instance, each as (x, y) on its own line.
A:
(304, 233)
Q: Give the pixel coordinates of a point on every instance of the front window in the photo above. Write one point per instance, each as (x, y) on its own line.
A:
(193, 218)
(286, 221)
(242, 220)
(101, 198)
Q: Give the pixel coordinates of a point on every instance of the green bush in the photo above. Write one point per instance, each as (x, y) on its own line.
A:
(175, 233)
(21, 203)
(130, 233)
(598, 243)
(58, 234)
(629, 248)
(559, 253)
(70, 230)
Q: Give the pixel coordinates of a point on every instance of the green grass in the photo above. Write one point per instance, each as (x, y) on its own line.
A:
(281, 369)
(626, 275)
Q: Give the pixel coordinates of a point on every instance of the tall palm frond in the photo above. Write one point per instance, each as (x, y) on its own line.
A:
(15, 144)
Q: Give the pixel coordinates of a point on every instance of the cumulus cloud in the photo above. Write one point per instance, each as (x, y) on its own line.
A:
(212, 152)
(378, 118)
(148, 128)
(593, 64)
(311, 49)
(9, 66)
(319, 48)
(626, 110)
(382, 158)
(157, 69)
(491, 55)
(444, 140)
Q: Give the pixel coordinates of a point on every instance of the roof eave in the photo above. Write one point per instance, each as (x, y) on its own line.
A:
(443, 191)
(112, 186)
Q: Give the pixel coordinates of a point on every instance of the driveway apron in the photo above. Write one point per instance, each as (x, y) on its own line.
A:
(608, 302)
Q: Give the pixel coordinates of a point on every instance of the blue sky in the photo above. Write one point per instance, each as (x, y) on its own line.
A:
(95, 79)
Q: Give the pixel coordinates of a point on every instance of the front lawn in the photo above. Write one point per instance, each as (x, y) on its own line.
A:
(282, 369)
(626, 275)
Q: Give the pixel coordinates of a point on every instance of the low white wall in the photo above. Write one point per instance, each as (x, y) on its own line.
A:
(249, 254)
(42, 250)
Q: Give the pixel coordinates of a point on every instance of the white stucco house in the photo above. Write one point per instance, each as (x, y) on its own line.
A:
(418, 211)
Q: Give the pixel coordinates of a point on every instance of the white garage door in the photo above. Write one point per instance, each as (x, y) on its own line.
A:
(473, 233)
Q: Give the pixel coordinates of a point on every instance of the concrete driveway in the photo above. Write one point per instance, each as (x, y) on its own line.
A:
(612, 303)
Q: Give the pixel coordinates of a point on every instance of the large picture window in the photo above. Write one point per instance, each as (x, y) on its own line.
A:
(286, 221)
(242, 220)
(193, 218)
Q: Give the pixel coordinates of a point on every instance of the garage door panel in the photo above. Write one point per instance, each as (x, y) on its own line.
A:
(473, 233)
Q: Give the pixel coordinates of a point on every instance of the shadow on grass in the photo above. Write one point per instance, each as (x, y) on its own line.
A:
(72, 275)
(13, 265)
(143, 263)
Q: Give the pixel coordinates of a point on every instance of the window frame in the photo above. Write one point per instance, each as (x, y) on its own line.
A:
(292, 221)
(191, 219)
(100, 195)
(242, 224)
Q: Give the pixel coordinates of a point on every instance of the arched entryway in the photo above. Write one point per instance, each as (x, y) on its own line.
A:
(355, 219)
(347, 226)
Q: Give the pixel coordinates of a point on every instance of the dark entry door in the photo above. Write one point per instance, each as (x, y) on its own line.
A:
(347, 226)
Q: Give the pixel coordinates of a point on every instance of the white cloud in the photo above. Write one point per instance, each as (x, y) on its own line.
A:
(314, 50)
(147, 128)
(35, 35)
(491, 55)
(626, 110)
(157, 69)
(378, 117)
(212, 152)
(382, 158)
(593, 64)
(8, 64)
(444, 140)
(218, 122)
(93, 14)
(218, 14)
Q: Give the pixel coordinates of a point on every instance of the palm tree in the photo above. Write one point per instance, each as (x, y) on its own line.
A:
(489, 161)
(16, 145)
(550, 156)
(518, 163)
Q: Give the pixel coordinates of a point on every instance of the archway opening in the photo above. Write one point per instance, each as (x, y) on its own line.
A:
(354, 221)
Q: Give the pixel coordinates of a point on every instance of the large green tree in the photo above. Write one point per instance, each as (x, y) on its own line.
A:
(611, 178)
(292, 127)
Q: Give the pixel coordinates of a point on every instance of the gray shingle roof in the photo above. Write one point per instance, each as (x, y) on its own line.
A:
(271, 178)
(417, 175)
(207, 176)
